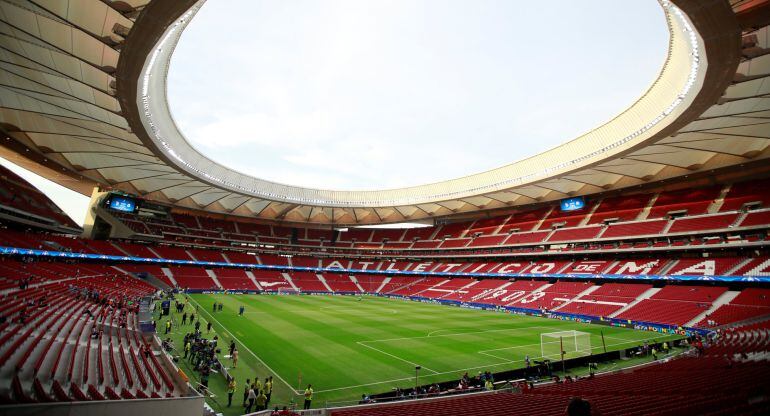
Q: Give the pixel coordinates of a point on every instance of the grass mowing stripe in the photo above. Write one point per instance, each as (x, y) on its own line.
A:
(394, 356)
(347, 347)
(247, 348)
(459, 333)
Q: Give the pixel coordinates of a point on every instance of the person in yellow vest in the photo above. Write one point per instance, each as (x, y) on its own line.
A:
(257, 385)
(261, 400)
(268, 389)
(230, 390)
(488, 385)
(308, 396)
(187, 349)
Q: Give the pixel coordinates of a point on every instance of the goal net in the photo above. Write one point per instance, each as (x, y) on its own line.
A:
(574, 344)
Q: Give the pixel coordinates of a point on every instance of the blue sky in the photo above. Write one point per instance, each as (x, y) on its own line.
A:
(352, 94)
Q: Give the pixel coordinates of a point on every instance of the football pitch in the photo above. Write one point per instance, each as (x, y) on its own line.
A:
(346, 347)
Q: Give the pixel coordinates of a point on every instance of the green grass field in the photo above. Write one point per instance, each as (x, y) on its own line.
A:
(346, 347)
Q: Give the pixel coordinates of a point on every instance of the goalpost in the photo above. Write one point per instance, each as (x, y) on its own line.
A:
(573, 343)
(284, 291)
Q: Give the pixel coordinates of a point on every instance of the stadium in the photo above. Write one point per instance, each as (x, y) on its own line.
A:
(625, 271)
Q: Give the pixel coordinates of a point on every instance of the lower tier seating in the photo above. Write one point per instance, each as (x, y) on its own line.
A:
(78, 340)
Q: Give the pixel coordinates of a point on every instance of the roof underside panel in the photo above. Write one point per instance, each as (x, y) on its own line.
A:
(58, 98)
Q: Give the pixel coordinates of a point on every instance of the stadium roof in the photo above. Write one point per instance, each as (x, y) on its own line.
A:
(83, 97)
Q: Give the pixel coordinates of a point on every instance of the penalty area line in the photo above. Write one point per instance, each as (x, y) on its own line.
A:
(460, 370)
(363, 344)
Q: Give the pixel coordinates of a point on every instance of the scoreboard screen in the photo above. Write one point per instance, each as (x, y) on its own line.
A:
(573, 204)
(121, 203)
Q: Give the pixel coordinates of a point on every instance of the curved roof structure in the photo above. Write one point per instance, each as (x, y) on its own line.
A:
(83, 95)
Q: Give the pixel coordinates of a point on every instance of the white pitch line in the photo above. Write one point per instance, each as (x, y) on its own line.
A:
(462, 369)
(362, 343)
(459, 333)
(248, 349)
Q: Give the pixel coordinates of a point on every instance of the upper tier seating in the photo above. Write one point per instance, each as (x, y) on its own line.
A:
(172, 253)
(692, 201)
(488, 240)
(524, 221)
(716, 266)
(387, 234)
(621, 208)
(565, 218)
(582, 233)
(706, 222)
(21, 196)
(487, 226)
(526, 237)
(635, 228)
(747, 192)
(454, 230)
(754, 218)
(455, 242)
(529, 227)
(206, 255)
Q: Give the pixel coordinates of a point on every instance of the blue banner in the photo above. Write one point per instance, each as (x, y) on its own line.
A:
(13, 251)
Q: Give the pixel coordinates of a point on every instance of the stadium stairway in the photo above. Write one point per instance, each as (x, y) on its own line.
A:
(385, 282)
(324, 282)
(169, 276)
(358, 285)
(287, 276)
(253, 279)
(213, 277)
(723, 299)
(646, 295)
(588, 291)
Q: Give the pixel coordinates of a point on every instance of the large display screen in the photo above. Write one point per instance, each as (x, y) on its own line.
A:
(122, 203)
(573, 204)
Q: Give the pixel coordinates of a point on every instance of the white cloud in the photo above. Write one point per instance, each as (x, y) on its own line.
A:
(347, 94)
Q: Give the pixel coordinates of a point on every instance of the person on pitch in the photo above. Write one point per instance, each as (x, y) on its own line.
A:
(308, 396)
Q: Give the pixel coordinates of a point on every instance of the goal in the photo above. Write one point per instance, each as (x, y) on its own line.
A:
(575, 344)
(286, 291)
